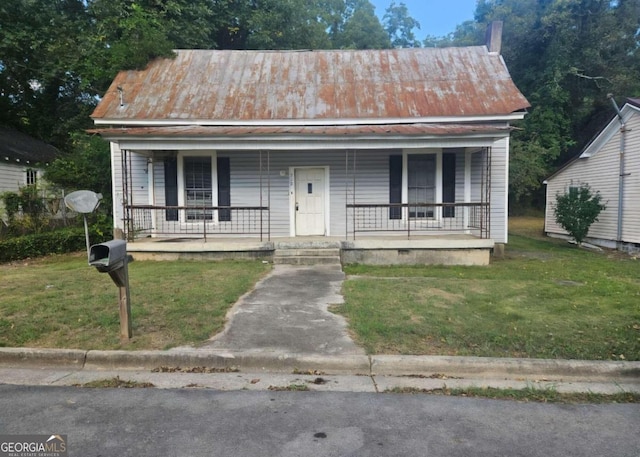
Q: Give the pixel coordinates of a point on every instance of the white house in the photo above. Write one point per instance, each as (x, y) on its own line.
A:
(610, 164)
(22, 160)
(347, 145)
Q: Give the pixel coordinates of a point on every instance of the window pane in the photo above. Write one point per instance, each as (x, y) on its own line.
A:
(198, 188)
(421, 169)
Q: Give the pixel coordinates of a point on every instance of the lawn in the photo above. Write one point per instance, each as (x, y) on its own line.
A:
(545, 299)
(61, 302)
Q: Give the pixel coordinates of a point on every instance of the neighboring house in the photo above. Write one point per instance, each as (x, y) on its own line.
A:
(22, 159)
(343, 144)
(610, 164)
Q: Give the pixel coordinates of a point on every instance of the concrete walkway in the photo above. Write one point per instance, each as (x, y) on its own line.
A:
(287, 312)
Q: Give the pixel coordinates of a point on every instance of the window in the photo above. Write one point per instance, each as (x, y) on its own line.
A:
(421, 185)
(421, 179)
(32, 177)
(189, 182)
(198, 187)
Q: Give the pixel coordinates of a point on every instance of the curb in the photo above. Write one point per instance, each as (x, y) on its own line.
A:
(49, 358)
(379, 365)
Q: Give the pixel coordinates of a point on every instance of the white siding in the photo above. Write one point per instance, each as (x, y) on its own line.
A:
(499, 190)
(139, 184)
(12, 176)
(601, 171)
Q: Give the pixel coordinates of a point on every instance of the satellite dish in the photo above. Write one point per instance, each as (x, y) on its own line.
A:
(82, 201)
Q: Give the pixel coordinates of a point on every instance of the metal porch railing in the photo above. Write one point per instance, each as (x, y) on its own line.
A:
(192, 221)
(418, 218)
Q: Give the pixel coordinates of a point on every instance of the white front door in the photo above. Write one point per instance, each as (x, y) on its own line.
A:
(310, 201)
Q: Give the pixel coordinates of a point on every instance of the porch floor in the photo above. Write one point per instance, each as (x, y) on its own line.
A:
(452, 249)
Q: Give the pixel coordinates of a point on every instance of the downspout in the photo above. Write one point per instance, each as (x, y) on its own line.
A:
(623, 129)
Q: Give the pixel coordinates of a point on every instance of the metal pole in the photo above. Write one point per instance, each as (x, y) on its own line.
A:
(623, 130)
(86, 235)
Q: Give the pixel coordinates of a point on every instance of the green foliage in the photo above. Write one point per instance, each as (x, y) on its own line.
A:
(56, 242)
(576, 210)
(26, 211)
(86, 166)
(399, 25)
(565, 56)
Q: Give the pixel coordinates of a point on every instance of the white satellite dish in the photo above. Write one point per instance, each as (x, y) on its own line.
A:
(84, 202)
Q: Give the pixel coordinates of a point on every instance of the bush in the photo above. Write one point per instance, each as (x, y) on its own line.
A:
(576, 210)
(56, 242)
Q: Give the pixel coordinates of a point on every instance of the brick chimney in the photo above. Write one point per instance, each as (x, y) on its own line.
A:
(493, 37)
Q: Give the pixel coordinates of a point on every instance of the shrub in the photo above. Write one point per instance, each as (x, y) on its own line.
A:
(576, 210)
(56, 242)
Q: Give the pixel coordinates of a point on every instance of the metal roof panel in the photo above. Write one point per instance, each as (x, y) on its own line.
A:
(301, 85)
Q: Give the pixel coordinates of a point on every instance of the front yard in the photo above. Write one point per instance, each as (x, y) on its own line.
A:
(546, 299)
(61, 302)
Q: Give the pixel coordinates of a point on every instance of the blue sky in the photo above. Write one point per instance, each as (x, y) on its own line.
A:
(436, 17)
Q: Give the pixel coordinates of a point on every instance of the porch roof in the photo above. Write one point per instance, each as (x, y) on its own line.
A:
(369, 130)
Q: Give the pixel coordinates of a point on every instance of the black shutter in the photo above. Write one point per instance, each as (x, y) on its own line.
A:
(224, 188)
(395, 185)
(449, 183)
(171, 187)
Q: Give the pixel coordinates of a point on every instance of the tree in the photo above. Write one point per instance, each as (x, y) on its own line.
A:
(361, 28)
(576, 210)
(399, 26)
(565, 56)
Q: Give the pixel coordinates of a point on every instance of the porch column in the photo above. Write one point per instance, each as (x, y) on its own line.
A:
(467, 186)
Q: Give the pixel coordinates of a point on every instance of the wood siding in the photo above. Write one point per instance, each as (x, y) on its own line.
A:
(601, 172)
(13, 176)
(361, 177)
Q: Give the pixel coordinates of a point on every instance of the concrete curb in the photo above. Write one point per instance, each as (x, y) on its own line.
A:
(271, 362)
(510, 368)
(379, 365)
(42, 357)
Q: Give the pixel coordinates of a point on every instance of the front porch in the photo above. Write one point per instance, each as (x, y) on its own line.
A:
(451, 249)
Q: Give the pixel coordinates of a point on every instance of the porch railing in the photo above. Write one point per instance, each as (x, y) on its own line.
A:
(197, 221)
(418, 218)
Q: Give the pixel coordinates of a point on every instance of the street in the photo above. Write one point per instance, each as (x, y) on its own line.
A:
(201, 422)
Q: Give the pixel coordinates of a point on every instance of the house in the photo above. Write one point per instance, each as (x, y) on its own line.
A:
(396, 155)
(610, 164)
(22, 160)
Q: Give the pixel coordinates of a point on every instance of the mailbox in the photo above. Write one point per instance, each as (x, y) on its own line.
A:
(108, 256)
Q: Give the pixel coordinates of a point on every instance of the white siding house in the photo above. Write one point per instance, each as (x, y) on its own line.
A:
(22, 161)
(294, 144)
(610, 164)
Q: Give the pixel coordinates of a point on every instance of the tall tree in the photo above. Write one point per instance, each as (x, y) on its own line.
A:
(565, 56)
(399, 25)
(361, 28)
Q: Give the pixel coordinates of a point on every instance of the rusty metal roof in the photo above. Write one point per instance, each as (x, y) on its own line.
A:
(211, 86)
(332, 130)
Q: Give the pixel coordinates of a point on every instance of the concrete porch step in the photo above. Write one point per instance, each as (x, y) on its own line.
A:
(307, 256)
(331, 252)
(307, 260)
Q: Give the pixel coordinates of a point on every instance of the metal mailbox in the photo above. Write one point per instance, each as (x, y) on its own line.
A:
(108, 256)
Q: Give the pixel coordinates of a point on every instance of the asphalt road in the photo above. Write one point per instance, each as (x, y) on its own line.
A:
(199, 422)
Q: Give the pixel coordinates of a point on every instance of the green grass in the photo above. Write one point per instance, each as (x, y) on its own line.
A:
(545, 299)
(61, 302)
(526, 395)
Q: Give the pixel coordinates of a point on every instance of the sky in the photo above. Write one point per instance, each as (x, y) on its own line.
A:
(436, 17)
